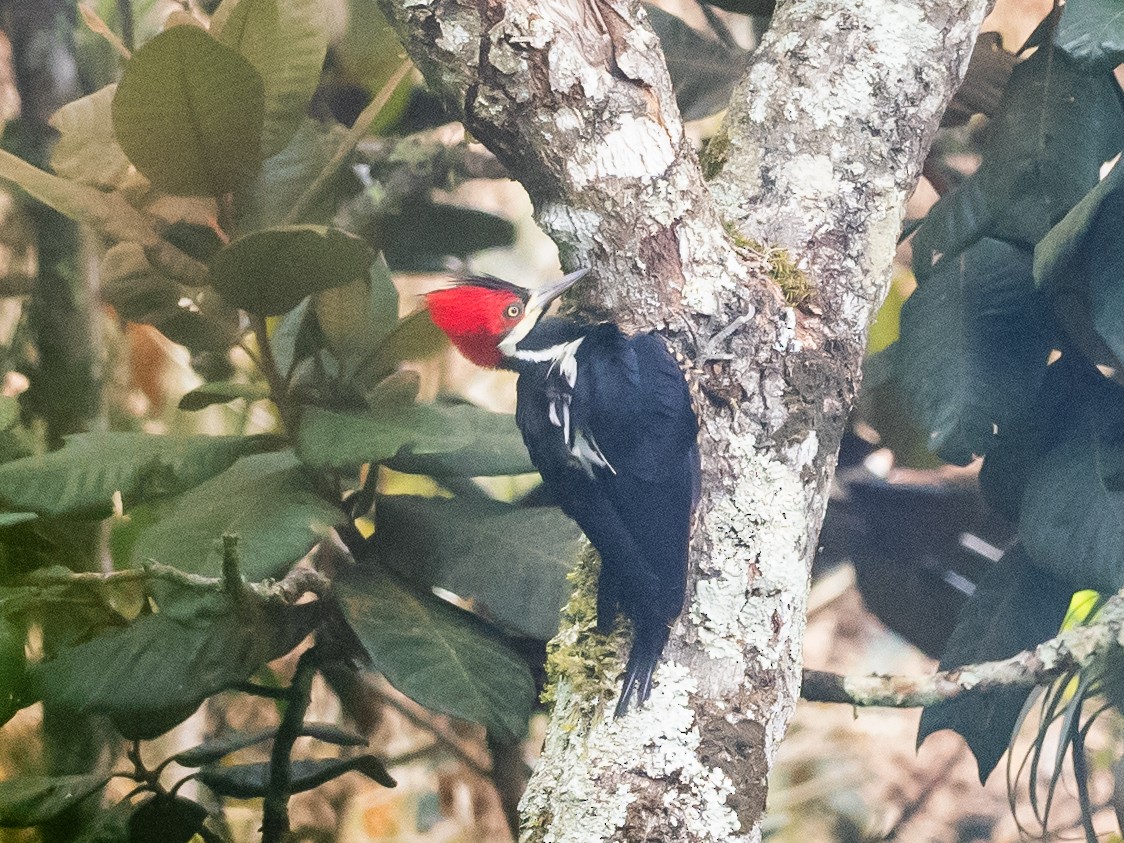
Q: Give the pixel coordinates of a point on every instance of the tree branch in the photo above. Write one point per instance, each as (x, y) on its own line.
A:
(1071, 650)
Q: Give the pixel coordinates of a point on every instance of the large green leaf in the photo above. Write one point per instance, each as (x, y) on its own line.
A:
(87, 150)
(163, 818)
(269, 272)
(1072, 515)
(480, 548)
(1081, 260)
(438, 655)
(703, 70)
(1092, 32)
(286, 40)
(439, 439)
(973, 348)
(1015, 607)
(32, 800)
(82, 476)
(153, 674)
(355, 319)
(222, 392)
(188, 112)
(268, 500)
(1054, 128)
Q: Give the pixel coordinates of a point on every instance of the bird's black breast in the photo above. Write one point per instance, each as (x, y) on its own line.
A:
(611, 421)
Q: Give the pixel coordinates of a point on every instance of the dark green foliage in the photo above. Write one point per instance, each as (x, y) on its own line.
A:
(1092, 33)
(165, 819)
(246, 781)
(444, 657)
(450, 230)
(1016, 607)
(153, 674)
(32, 800)
(267, 273)
(1054, 128)
(974, 341)
(478, 548)
(703, 70)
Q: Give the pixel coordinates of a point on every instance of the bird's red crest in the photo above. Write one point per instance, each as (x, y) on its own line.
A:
(475, 318)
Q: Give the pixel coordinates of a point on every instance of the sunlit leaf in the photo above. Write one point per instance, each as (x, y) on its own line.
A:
(479, 548)
(188, 112)
(269, 272)
(286, 40)
(87, 150)
(414, 338)
(441, 657)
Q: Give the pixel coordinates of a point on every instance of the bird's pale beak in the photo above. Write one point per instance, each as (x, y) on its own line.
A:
(542, 297)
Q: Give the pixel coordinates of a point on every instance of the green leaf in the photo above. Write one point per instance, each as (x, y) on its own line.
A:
(12, 667)
(357, 318)
(1073, 504)
(287, 175)
(26, 801)
(10, 519)
(286, 40)
(222, 392)
(189, 112)
(439, 439)
(269, 272)
(296, 338)
(415, 337)
(1014, 608)
(1080, 263)
(1054, 128)
(199, 241)
(763, 8)
(438, 655)
(973, 348)
(109, 825)
(153, 674)
(421, 234)
(87, 150)
(1092, 33)
(479, 548)
(247, 781)
(267, 500)
(703, 70)
(166, 819)
(135, 289)
(81, 477)
(216, 749)
(9, 411)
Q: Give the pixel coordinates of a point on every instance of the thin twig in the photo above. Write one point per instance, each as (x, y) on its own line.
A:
(275, 810)
(444, 738)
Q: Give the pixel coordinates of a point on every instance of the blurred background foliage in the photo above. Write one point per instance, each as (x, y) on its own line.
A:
(220, 219)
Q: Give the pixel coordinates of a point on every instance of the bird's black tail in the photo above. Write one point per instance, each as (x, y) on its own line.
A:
(647, 647)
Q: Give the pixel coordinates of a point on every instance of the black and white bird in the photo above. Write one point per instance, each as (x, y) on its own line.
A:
(608, 422)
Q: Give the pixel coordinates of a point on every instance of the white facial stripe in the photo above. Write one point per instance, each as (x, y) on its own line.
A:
(519, 332)
(561, 354)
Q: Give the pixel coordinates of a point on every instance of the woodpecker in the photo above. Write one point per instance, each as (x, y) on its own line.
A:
(608, 422)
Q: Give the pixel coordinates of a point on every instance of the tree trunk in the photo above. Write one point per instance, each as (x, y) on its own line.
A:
(823, 142)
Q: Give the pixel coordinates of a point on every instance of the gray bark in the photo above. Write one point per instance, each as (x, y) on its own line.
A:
(823, 142)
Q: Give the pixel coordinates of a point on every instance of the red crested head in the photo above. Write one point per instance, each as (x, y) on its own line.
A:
(477, 314)
(486, 318)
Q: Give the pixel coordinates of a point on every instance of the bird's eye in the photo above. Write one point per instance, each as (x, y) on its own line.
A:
(514, 311)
